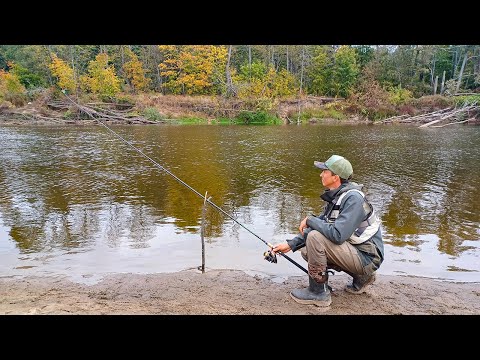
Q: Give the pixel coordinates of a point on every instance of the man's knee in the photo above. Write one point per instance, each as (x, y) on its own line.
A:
(316, 238)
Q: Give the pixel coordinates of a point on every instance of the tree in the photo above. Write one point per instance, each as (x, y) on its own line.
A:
(345, 71)
(63, 73)
(194, 69)
(101, 78)
(11, 89)
(33, 58)
(134, 72)
(320, 71)
(260, 80)
(231, 91)
(26, 77)
(365, 54)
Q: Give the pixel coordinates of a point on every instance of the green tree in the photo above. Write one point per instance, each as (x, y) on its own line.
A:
(33, 58)
(345, 71)
(27, 78)
(365, 54)
(320, 71)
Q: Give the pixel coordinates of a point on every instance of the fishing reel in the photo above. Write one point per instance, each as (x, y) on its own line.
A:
(270, 256)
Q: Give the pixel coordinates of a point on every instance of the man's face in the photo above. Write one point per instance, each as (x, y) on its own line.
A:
(328, 179)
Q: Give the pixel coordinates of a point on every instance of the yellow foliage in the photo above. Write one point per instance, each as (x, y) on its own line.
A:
(283, 84)
(135, 73)
(193, 69)
(63, 72)
(398, 96)
(12, 92)
(269, 84)
(9, 83)
(11, 89)
(101, 78)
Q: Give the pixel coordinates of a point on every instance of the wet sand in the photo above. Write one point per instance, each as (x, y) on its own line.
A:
(230, 292)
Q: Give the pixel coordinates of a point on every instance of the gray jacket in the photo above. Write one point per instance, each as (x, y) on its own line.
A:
(351, 215)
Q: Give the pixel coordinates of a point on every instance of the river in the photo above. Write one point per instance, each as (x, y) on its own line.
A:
(78, 202)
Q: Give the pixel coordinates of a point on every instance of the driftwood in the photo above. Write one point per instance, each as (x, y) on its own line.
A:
(455, 115)
(101, 114)
(453, 123)
(56, 111)
(392, 119)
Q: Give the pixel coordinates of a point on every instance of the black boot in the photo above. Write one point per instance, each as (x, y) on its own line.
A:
(317, 293)
(359, 283)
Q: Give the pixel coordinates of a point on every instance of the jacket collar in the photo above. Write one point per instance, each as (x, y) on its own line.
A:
(329, 195)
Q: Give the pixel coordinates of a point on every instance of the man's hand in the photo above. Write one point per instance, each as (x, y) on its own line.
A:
(283, 248)
(303, 225)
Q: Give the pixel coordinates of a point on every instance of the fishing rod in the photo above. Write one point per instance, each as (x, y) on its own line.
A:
(269, 255)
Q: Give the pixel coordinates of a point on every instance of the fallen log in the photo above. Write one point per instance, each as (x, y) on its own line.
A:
(453, 123)
(97, 113)
(451, 114)
(430, 114)
(392, 118)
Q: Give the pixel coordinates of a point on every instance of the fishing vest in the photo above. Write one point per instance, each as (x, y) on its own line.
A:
(367, 228)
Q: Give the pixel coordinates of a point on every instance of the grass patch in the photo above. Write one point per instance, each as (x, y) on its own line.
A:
(188, 121)
(223, 121)
(308, 114)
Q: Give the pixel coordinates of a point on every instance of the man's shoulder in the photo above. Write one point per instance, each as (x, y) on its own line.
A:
(353, 196)
(354, 192)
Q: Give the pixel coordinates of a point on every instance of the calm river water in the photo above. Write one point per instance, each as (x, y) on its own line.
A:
(79, 202)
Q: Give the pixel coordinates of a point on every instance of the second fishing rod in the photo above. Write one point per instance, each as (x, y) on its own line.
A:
(269, 255)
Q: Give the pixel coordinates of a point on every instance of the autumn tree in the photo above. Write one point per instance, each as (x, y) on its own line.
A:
(11, 89)
(134, 72)
(261, 80)
(193, 69)
(63, 73)
(101, 78)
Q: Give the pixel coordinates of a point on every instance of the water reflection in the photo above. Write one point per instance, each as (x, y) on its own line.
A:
(79, 201)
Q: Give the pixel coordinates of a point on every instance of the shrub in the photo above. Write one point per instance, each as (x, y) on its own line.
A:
(432, 103)
(258, 117)
(398, 95)
(152, 114)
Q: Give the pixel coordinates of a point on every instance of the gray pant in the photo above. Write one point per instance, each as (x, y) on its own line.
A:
(319, 251)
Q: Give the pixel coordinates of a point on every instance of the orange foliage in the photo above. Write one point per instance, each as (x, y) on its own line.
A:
(193, 69)
(135, 73)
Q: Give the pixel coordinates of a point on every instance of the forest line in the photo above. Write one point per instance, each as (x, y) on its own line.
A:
(371, 83)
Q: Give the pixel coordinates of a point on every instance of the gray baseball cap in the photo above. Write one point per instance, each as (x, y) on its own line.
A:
(336, 164)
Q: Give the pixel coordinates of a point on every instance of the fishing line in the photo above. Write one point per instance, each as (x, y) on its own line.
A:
(270, 256)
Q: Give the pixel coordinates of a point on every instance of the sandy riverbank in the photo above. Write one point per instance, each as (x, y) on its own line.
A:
(227, 292)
